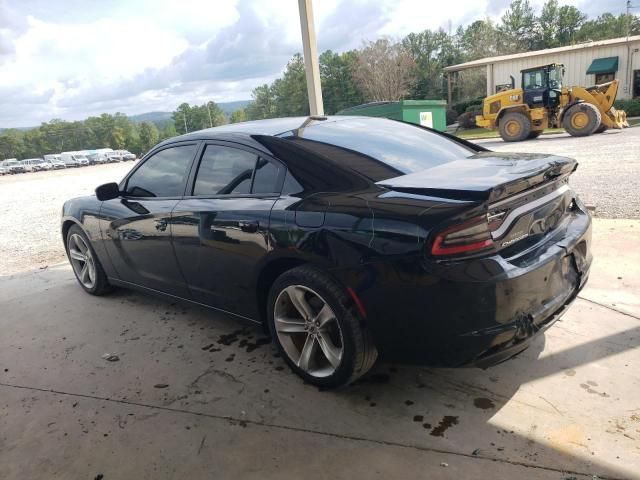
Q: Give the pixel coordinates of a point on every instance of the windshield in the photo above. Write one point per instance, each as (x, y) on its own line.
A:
(11, 164)
(555, 78)
(79, 157)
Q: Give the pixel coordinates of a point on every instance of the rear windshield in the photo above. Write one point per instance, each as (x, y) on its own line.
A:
(404, 147)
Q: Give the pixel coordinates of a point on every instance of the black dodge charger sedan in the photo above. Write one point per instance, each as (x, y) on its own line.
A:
(349, 238)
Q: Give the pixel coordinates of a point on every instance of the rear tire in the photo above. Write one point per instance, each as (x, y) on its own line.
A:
(515, 127)
(582, 120)
(534, 134)
(317, 329)
(85, 263)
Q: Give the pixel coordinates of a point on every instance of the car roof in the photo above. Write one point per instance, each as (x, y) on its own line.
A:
(270, 127)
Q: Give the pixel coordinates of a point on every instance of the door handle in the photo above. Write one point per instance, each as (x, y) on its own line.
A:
(161, 225)
(249, 227)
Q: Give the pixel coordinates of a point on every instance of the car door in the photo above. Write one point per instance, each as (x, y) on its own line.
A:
(220, 231)
(136, 227)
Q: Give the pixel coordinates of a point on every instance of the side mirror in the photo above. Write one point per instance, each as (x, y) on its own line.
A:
(108, 191)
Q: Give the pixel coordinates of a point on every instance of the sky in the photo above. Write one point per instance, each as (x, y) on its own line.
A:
(72, 59)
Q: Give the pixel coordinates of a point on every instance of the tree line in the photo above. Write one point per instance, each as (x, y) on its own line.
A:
(411, 67)
(380, 70)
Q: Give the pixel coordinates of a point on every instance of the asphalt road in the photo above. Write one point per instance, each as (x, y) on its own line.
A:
(609, 172)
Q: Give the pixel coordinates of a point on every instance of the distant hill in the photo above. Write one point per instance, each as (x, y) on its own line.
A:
(229, 107)
(160, 118)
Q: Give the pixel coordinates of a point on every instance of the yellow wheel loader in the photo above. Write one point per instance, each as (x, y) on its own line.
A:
(542, 102)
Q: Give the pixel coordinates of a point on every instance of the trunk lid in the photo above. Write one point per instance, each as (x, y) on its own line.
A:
(525, 198)
(485, 176)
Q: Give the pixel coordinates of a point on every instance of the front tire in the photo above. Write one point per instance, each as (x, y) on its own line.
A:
(317, 329)
(85, 263)
(582, 120)
(515, 127)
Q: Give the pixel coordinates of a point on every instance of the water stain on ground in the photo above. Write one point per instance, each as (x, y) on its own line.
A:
(484, 403)
(587, 386)
(446, 422)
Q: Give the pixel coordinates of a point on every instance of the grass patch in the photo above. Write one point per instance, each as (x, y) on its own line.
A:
(477, 133)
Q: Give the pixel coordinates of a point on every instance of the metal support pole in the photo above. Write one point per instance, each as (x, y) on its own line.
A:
(449, 90)
(312, 66)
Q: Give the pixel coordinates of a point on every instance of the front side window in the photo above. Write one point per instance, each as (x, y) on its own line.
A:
(224, 171)
(164, 174)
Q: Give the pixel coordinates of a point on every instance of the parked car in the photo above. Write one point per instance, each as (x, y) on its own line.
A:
(113, 157)
(35, 164)
(97, 158)
(58, 164)
(13, 166)
(126, 156)
(349, 237)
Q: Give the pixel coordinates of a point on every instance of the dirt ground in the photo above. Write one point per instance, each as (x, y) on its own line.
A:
(30, 209)
(608, 176)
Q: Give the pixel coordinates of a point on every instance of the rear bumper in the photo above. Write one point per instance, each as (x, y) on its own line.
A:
(477, 312)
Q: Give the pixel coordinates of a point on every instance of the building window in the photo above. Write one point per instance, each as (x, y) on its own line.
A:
(604, 77)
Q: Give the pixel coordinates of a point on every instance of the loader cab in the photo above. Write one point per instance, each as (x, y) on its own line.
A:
(542, 86)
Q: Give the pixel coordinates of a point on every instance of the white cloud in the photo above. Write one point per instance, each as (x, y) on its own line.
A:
(72, 58)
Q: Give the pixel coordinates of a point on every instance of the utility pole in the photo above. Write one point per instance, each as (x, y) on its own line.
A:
(184, 117)
(310, 49)
(210, 122)
(628, 74)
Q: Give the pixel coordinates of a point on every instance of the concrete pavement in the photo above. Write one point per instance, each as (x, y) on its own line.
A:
(196, 394)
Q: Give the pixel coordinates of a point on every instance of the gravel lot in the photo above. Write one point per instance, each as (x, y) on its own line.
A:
(30, 208)
(609, 172)
(30, 204)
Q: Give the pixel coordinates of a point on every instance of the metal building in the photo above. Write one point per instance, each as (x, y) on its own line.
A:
(586, 64)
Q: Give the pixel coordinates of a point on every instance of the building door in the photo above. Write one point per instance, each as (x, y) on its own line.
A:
(636, 83)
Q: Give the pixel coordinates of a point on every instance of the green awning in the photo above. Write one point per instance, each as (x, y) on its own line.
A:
(603, 65)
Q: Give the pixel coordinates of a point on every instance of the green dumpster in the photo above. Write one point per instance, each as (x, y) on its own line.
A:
(428, 113)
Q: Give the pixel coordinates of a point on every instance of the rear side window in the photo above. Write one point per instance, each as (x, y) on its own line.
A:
(403, 147)
(164, 174)
(224, 171)
(266, 177)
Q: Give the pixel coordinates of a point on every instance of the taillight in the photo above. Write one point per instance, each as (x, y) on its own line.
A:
(471, 236)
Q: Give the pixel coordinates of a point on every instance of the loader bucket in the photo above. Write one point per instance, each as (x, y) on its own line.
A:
(602, 96)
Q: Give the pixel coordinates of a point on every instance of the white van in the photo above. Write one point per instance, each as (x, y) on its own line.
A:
(35, 165)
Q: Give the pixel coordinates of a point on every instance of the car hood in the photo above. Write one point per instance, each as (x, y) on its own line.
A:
(484, 176)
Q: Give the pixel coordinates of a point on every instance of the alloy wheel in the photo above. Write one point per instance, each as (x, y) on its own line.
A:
(308, 330)
(82, 261)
